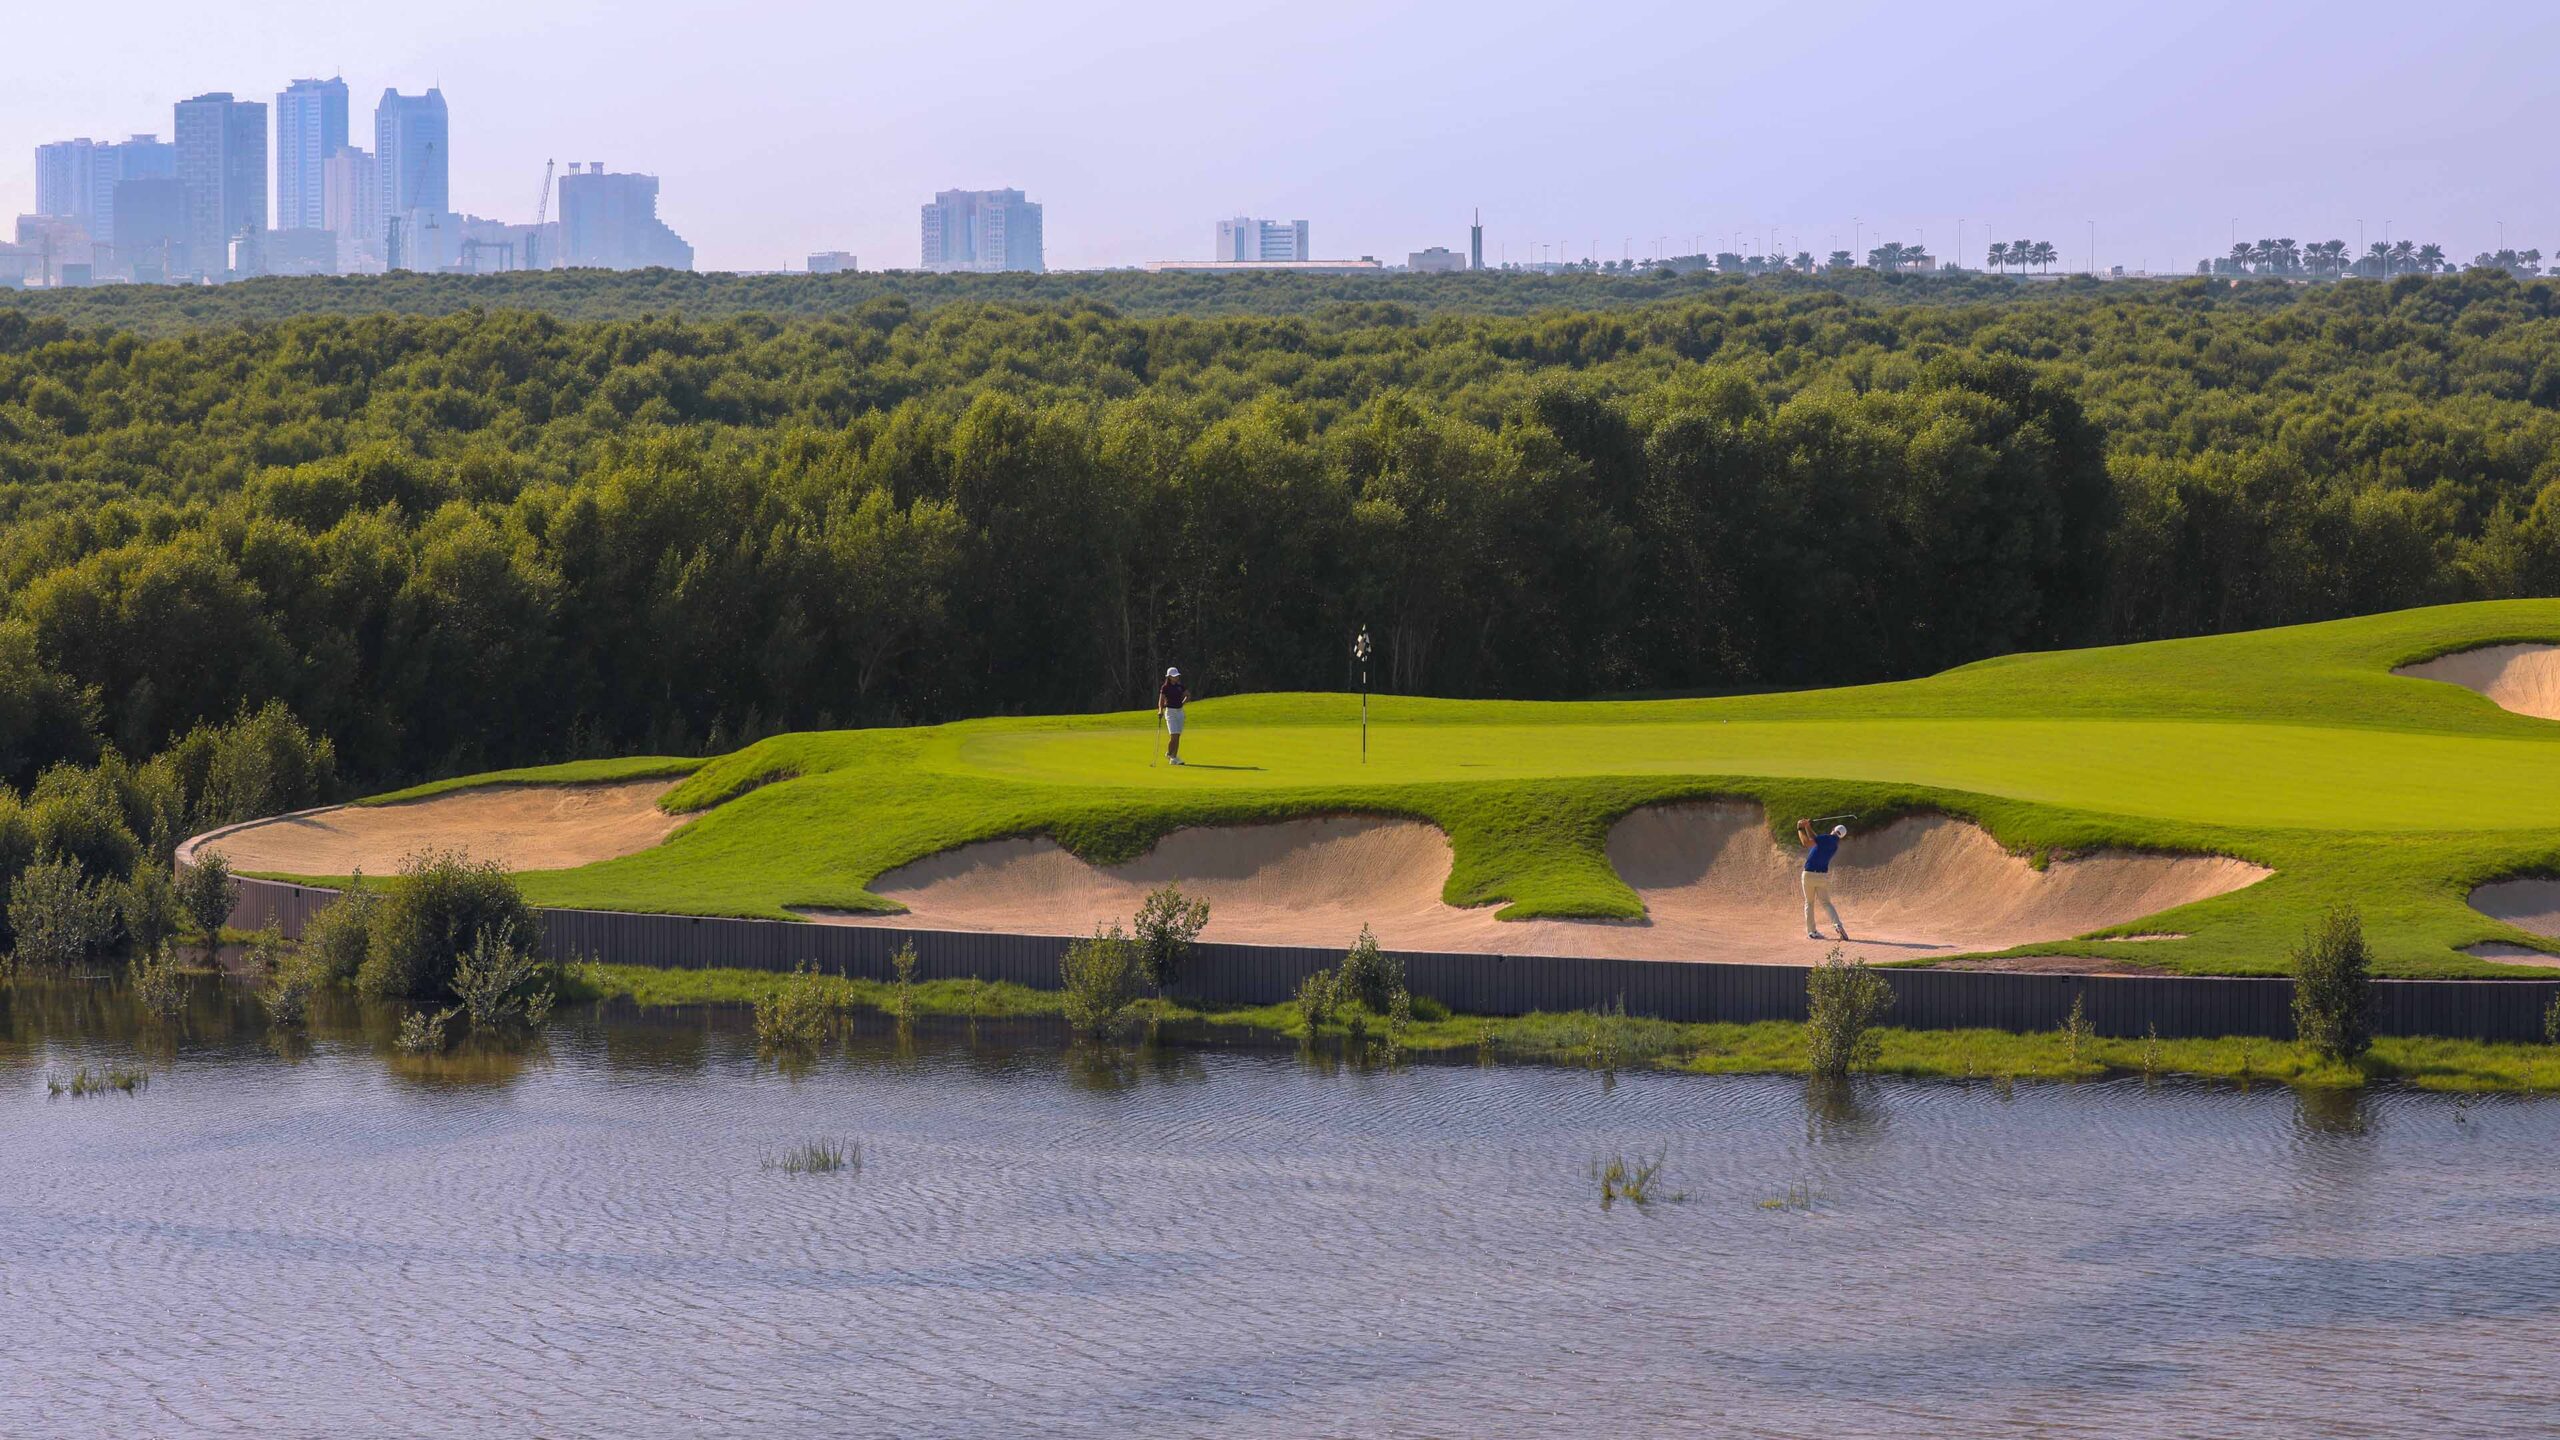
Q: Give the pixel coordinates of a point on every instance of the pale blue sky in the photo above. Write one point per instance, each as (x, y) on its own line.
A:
(783, 127)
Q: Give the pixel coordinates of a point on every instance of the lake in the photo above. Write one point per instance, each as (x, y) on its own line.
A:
(592, 1239)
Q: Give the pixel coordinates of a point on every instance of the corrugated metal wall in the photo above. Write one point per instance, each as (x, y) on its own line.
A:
(2177, 1007)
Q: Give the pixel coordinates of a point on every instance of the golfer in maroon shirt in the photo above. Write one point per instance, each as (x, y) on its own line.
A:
(1169, 698)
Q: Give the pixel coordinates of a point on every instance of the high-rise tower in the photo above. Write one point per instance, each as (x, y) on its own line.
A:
(1475, 243)
(222, 161)
(311, 126)
(982, 230)
(410, 166)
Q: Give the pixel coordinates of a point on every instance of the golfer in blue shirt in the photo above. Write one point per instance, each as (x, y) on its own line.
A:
(1817, 875)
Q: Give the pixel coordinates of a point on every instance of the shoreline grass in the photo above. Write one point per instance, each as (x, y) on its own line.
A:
(1707, 1048)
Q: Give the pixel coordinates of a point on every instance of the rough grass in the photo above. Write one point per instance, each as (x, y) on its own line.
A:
(1767, 1047)
(2295, 748)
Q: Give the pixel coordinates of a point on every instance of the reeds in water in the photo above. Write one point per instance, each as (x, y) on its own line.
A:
(817, 1157)
(88, 1082)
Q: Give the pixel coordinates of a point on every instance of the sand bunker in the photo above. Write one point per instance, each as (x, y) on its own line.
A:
(2505, 954)
(1715, 887)
(522, 827)
(2532, 905)
(2522, 678)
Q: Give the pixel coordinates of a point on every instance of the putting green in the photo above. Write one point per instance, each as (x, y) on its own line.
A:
(2296, 749)
(2211, 772)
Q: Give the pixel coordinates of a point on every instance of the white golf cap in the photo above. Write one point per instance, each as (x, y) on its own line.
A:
(1840, 830)
(1171, 671)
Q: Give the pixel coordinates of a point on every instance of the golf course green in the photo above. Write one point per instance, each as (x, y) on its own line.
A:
(2297, 749)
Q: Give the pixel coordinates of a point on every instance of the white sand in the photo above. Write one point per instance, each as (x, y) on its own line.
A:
(1715, 885)
(522, 827)
(2522, 678)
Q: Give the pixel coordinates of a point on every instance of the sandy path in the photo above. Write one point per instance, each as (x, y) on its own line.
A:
(1715, 887)
(2522, 678)
(522, 827)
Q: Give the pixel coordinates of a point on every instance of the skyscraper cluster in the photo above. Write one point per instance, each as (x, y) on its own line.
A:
(197, 207)
(984, 230)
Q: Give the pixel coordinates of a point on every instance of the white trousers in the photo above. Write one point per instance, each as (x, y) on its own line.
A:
(1817, 887)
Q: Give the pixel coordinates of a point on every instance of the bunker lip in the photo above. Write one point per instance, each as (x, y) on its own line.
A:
(521, 827)
(1716, 887)
(2523, 678)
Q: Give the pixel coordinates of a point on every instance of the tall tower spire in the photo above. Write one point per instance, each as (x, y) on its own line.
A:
(1475, 241)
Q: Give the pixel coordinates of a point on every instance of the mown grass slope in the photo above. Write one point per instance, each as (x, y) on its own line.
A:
(2295, 748)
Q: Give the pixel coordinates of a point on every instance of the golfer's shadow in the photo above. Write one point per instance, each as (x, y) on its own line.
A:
(1204, 765)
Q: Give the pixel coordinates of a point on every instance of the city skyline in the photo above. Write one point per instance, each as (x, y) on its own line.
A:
(2149, 143)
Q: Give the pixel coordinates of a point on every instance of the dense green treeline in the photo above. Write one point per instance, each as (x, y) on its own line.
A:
(483, 538)
(582, 295)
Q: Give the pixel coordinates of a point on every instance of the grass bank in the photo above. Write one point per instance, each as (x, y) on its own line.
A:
(1584, 1038)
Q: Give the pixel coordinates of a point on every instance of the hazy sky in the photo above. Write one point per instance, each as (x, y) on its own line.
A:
(789, 126)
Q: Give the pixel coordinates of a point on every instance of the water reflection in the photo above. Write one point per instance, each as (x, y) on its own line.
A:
(2330, 1113)
(1202, 1239)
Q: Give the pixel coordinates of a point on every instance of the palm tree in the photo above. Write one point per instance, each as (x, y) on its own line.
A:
(2044, 255)
(1840, 260)
(2404, 257)
(1999, 256)
(2244, 257)
(2379, 258)
(2431, 258)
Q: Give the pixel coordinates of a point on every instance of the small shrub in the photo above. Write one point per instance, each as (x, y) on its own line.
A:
(798, 1015)
(207, 893)
(287, 994)
(1612, 1039)
(158, 983)
(1165, 928)
(434, 913)
(2151, 1063)
(2551, 1022)
(2077, 1036)
(1100, 976)
(1844, 999)
(1370, 975)
(1317, 999)
(147, 903)
(2333, 987)
(422, 1033)
(500, 982)
(336, 940)
(1399, 1021)
(58, 917)
(902, 1001)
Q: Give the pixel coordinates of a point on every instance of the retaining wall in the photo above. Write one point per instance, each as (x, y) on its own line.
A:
(2177, 1007)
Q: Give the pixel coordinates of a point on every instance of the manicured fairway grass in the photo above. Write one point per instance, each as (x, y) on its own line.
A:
(2294, 748)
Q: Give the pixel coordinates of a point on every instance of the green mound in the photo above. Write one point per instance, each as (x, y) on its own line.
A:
(2294, 748)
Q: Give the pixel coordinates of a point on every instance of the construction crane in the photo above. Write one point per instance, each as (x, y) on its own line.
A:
(541, 213)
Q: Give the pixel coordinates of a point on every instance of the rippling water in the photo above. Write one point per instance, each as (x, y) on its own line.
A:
(1223, 1242)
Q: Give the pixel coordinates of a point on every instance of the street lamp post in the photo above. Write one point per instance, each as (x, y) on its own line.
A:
(1360, 652)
